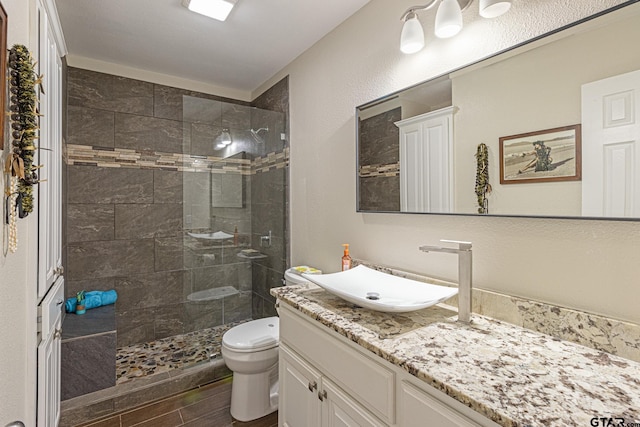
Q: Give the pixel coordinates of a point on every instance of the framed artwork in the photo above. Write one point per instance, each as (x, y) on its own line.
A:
(3, 66)
(542, 156)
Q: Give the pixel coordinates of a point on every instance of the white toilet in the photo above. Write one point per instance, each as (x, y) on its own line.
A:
(250, 350)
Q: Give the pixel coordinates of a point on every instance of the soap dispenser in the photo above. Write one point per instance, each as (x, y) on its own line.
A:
(346, 258)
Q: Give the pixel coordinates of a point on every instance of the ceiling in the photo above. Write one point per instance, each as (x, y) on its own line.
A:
(256, 41)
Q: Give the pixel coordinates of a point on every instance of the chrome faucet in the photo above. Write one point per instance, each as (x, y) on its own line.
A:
(464, 274)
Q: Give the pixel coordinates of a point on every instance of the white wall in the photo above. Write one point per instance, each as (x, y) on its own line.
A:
(538, 89)
(16, 398)
(589, 265)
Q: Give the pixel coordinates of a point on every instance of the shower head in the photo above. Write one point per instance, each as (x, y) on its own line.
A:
(256, 136)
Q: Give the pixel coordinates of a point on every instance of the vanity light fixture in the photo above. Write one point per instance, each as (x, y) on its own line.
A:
(448, 20)
(216, 9)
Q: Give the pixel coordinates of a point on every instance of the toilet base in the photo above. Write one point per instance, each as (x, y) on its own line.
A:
(254, 395)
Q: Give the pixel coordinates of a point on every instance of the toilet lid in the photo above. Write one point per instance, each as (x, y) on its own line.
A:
(260, 334)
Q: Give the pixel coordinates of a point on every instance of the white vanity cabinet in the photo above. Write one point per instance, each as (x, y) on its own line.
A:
(313, 400)
(327, 380)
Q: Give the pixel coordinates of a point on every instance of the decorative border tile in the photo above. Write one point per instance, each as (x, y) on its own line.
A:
(390, 169)
(125, 158)
(588, 329)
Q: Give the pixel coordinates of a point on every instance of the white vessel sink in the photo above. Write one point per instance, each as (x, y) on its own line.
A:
(378, 291)
(218, 235)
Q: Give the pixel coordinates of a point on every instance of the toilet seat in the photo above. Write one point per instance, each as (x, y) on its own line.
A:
(256, 335)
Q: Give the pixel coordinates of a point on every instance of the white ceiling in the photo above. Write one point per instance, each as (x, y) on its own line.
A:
(256, 41)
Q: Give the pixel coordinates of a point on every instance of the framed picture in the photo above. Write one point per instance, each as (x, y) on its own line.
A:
(3, 67)
(543, 156)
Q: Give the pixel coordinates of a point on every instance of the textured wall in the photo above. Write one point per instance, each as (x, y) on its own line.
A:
(269, 201)
(589, 265)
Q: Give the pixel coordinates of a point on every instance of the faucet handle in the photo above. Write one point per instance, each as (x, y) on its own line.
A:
(463, 246)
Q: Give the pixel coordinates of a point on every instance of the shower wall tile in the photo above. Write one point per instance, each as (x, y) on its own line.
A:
(87, 365)
(380, 193)
(275, 254)
(268, 217)
(267, 187)
(276, 98)
(149, 134)
(169, 321)
(135, 326)
(180, 104)
(169, 253)
(197, 187)
(197, 255)
(108, 92)
(204, 139)
(227, 190)
(265, 279)
(88, 126)
(379, 138)
(88, 184)
(143, 221)
(202, 314)
(87, 260)
(237, 307)
(86, 222)
(236, 116)
(167, 186)
(215, 277)
(149, 290)
(201, 110)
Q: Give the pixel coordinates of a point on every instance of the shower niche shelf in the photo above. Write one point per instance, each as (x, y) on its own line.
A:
(213, 293)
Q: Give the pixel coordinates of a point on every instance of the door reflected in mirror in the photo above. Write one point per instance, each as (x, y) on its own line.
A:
(416, 147)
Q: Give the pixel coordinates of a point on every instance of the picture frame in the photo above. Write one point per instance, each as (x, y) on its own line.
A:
(3, 66)
(548, 155)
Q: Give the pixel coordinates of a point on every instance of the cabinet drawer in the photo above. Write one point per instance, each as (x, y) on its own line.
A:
(366, 380)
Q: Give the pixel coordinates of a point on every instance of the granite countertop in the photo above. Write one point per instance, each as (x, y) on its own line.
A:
(513, 376)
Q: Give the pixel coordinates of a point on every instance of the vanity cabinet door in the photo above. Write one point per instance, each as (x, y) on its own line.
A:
(339, 410)
(419, 409)
(299, 385)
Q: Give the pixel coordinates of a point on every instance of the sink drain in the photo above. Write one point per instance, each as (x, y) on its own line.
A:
(373, 296)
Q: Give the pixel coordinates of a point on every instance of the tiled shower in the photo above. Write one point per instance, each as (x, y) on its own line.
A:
(190, 232)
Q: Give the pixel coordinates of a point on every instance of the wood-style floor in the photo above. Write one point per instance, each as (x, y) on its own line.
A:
(206, 406)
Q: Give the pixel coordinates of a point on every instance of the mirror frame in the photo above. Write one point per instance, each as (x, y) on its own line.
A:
(395, 94)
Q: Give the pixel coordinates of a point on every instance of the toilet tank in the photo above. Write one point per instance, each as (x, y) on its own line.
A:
(293, 275)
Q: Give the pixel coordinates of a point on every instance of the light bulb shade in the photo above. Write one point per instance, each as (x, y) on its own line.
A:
(412, 36)
(225, 137)
(494, 8)
(448, 19)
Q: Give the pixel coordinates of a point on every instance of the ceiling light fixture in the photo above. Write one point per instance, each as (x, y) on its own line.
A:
(216, 9)
(448, 20)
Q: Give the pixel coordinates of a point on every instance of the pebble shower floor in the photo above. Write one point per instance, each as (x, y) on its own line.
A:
(179, 351)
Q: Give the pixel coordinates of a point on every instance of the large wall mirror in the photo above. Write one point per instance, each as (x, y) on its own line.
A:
(560, 119)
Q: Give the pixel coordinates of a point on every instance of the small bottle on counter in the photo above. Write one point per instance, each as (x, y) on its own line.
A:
(235, 236)
(346, 258)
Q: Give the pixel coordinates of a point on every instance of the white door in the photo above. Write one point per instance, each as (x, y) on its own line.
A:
(49, 356)
(298, 385)
(611, 146)
(426, 156)
(49, 195)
